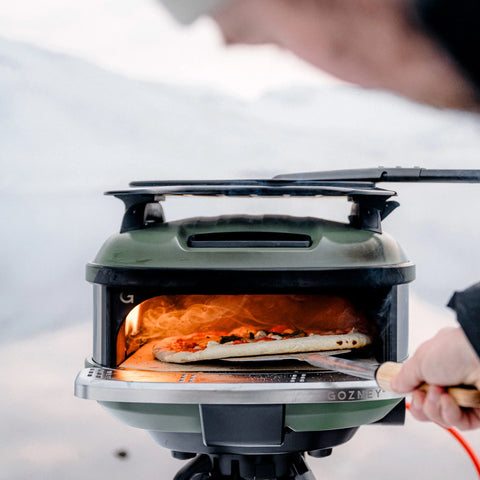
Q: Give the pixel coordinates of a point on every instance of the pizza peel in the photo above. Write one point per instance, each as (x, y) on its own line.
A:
(465, 395)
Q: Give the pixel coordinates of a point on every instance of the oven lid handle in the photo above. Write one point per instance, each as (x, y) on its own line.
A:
(382, 174)
(255, 239)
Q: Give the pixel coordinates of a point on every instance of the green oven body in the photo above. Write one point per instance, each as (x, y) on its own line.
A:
(250, 254)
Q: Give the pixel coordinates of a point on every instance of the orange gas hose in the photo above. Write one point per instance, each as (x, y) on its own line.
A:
(463, 442)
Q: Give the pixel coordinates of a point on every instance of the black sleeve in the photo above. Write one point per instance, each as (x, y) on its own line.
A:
(467, 306)
(455, 26)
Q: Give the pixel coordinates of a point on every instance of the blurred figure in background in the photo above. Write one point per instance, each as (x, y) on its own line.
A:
(422, 49)
(425, 50)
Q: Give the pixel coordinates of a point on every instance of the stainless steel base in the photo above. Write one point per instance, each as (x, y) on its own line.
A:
(237, 387)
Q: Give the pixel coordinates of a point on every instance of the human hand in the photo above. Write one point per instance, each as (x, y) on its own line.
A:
(447, 359)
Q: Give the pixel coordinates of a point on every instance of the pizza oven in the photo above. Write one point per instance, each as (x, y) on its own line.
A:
(156, 279)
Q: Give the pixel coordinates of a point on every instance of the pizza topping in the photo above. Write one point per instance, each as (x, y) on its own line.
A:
(241, 335)
(229, 338)
(264, 346)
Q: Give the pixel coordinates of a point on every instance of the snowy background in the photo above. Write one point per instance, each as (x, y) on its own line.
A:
(96, 95)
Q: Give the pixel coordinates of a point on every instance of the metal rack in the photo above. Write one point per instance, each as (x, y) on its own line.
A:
(371, 204)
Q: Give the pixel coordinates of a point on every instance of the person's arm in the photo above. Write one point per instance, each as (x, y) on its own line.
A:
(467, 307)
(373, 43)
(447, 359)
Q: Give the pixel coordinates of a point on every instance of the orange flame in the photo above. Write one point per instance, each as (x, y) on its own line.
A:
(173, 315)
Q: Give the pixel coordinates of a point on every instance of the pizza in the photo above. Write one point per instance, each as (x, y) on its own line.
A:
(249, 340)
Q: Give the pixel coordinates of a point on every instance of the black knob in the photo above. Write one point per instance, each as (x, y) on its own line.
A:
(325, 452)
(183, 455)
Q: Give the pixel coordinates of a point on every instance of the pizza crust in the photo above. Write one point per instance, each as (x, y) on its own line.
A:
(311, 343)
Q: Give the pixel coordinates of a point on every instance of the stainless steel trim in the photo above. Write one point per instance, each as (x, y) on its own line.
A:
(402, 321)
(140, 386)
(98, 314)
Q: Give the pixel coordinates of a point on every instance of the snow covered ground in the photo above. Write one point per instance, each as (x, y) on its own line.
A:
(70, 130)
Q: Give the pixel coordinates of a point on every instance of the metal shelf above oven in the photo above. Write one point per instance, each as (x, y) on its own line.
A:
(371, 204)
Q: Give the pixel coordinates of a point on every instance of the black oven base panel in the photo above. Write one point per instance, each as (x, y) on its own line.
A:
(318, 442)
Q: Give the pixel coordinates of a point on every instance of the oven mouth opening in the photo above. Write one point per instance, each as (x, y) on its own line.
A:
(230, 320)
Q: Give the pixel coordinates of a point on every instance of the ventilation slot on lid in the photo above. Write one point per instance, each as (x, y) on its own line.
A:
(249, 240)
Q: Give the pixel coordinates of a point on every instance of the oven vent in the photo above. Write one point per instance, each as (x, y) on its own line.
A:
(100, 373)
(249, 240)
(187, 378)
(298, 378)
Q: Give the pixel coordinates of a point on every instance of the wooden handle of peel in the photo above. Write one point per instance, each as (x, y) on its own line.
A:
(465, 396)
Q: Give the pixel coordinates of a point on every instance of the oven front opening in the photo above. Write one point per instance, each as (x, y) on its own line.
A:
(233, 319)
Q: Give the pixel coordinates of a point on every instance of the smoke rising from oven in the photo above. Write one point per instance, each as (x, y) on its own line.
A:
(172, 315)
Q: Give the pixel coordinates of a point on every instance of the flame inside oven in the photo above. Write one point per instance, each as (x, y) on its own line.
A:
(174, 315)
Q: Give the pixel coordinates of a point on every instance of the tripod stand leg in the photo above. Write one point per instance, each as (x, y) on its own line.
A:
(302, 471)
